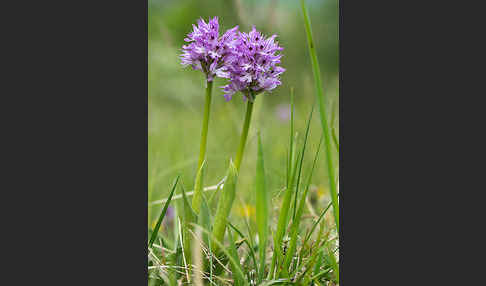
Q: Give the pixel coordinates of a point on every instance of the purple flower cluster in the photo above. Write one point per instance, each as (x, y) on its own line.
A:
(206, 50)
(249, 60)
(252, 66)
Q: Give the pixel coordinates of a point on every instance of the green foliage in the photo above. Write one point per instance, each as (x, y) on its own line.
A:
(294, 230)
(303, 261)
(224, 206)
(162, 214)
(261, 208)
(198, 189)
(270, 222)
(236, 267)
(323, 114)
(283, 217)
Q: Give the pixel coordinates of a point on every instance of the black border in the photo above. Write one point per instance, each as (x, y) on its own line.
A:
(76, 75)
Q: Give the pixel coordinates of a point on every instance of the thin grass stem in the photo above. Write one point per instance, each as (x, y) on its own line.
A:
(322, 109)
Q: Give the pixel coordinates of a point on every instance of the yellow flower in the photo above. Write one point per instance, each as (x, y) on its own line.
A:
(246, 210)
(321, 192)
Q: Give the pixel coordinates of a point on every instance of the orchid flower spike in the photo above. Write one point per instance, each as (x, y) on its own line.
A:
(206, 50)
(252, 65)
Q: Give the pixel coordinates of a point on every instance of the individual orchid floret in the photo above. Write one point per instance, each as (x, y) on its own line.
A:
(206, 50)
(252, 65)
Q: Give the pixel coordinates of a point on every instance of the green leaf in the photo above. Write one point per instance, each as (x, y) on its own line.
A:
(224, 206)
(204, 218)
(322, 108)
(234, 254)
(282, 221)
(291, 144)
(301, 160)
(319, 261)
(189, 213)
(236, 264)
(334, 265)
(198, 189)
(316, 253)
(162, 214)
(247, 242)
(333, 126)
(294, 230)
(261, 207)
(320, 274)
(317, 222)
(189, 217)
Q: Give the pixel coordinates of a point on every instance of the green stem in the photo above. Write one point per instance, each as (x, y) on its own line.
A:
(322, 109)
(228, 193)
(204, 132)
(244, 135)
(196, 199)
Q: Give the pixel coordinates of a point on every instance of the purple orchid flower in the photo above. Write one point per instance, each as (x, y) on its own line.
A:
(206, 50)
(252, 65)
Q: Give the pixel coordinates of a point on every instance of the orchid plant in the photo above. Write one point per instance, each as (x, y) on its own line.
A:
(250, 62)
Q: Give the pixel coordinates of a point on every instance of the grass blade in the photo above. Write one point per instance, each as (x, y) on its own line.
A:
(204, 219)
(162, 214)
(247, 242)
(322, 108)
(224, 206)
(286, 205)
(301, 161)
(198, 189)
(188, 218)
(320, 274)
(294, 230)
(291, 143)
(333, 127)
(197, 258)
(184, 253)
(234, 254)
(283, 220)
(334, 138)
(308, 266)
(261, 208)
(334, 265)
(317, 222)
(220, 246)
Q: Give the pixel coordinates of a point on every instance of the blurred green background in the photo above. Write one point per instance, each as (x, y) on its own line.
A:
(176, 96)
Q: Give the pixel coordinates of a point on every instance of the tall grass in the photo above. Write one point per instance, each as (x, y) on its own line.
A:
(162, 214)
(323, 113)
(284, 238)
(262, 209)
(298, 255)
